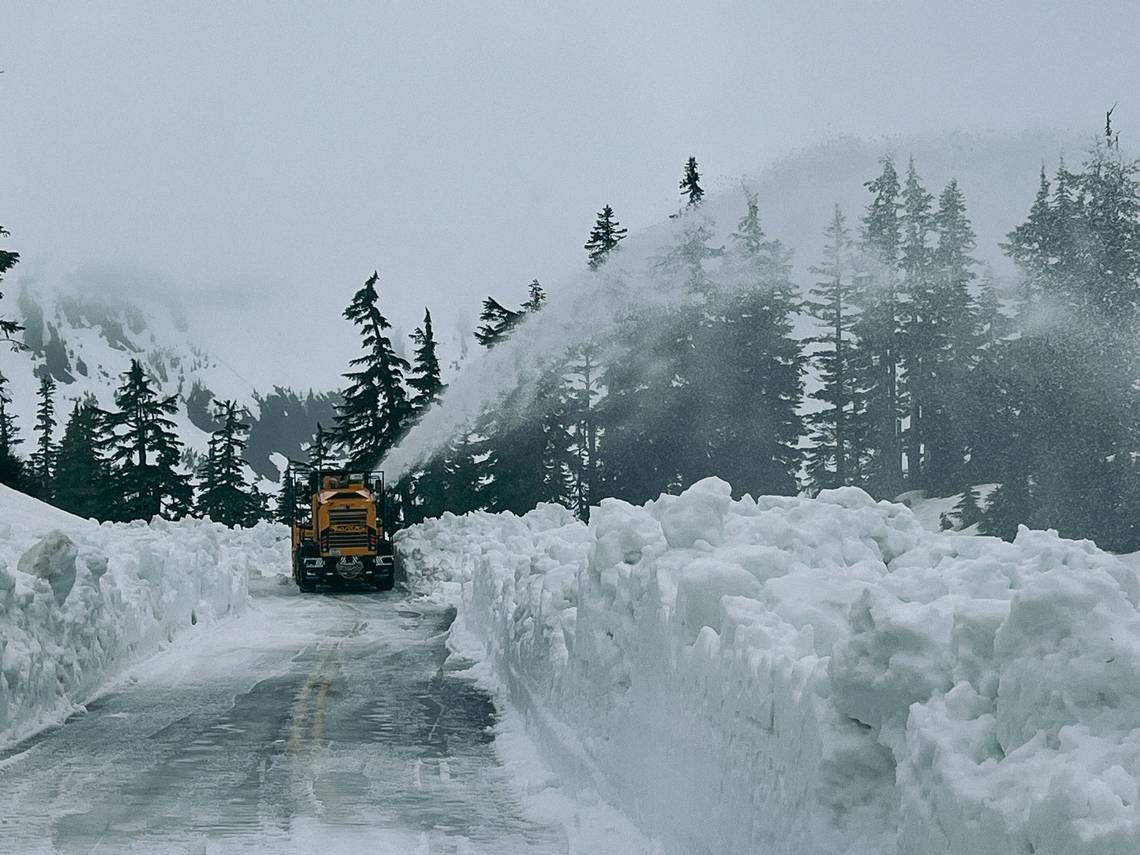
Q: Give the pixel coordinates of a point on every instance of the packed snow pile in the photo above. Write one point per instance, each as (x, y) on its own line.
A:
(79, 600)
(788, 675)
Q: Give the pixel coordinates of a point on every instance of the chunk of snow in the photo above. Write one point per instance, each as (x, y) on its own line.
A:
(52, 558)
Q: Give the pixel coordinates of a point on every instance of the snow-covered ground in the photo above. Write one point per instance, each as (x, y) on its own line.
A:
(80, 601)
(789, 675)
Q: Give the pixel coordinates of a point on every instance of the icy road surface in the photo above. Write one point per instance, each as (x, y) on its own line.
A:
(324, 723)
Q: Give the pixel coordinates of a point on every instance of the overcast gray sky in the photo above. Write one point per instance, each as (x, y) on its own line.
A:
(464, 148)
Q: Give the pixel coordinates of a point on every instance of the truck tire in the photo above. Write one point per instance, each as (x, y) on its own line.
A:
(386, 584)
(307, 587)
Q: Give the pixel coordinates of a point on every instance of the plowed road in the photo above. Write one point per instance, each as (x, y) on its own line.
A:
(322, 723)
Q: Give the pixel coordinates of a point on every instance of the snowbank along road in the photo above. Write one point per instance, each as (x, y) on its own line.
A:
(330, 722)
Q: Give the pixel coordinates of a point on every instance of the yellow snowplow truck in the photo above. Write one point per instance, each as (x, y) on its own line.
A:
(338, 528)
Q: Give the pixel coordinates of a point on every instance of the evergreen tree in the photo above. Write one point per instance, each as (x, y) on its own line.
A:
(425, 487)
(606, 234)
(1010, 505)
(559, 461)
(677, 375)
(951, 350)
(1110, 237)
(757, 385)
(286, 496)
(82, 483)
(1071, 443)
(838, 431)
(464, 475)
(583, 376)
(918, 320)
(877, 330)
(526, 442)
(991, 402)
(8, 260)
(224, 496)
(375, 410)
(968, 510)
(11, 467)
(536, 298)
(1031, 245)
(633, 458)
(144, 451)
(43, 458)
(691, 185)
(656, 420)
(497, 322)
(318, 450)
(425, 375)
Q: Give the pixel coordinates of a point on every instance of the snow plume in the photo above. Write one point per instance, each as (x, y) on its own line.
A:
(796, 196)
(81, 601)
(790, 676)
(587, 308)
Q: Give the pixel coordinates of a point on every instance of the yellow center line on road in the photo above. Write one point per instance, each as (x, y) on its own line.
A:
(301, 706)
(309, 707)
(319, 712)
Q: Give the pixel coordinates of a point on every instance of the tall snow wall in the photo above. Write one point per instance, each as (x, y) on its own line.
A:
(788, 675)
(80, 601)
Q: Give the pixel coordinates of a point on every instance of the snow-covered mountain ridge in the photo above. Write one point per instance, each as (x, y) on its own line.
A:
(85, 342)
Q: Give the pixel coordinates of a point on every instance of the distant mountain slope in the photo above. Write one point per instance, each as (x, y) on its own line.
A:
(86, 341)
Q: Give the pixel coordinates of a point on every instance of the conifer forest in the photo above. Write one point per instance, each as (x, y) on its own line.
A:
(918, 374)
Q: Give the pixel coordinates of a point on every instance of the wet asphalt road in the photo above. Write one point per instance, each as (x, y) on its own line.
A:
(323, 723)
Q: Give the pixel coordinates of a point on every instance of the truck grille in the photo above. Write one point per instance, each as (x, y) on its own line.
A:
(343, 539)
(355, 520)
(348, 516)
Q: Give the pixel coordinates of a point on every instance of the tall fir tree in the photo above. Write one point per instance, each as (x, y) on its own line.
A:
(917, 321)
(1031, 245)
(224, 494)
(526, 445)
(632, 463)
(464, 486)
(318, 450)
(145, 451)
(604, 237)
(584, 393)
(652, 443)
(8, 260)
(12, 472)
(691, 190)
(286, 497)
(758, 384)
(877, 329)
(1110, 239)
(43, 458)
(426, 487)
(991, 403)
(375, 410)
(425, 375)
(838, 431)
(83, 476)
(951, 349)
